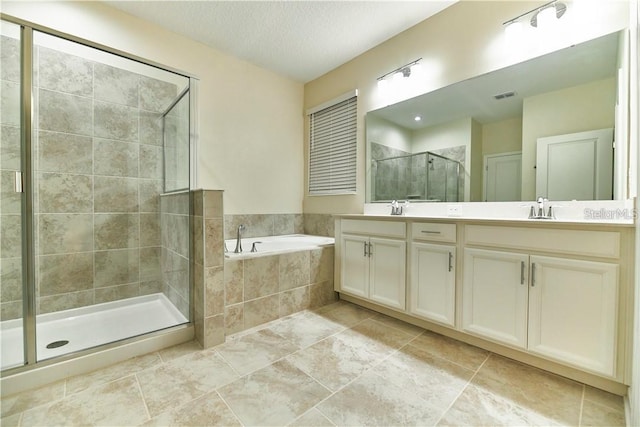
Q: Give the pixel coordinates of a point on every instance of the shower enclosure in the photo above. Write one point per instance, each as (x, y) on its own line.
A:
(94, 206)
(420, 176)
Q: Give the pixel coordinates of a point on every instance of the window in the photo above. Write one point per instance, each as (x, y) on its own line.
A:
(332, 149)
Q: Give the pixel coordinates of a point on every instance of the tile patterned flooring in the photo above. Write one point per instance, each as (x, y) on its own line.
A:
(339, 365)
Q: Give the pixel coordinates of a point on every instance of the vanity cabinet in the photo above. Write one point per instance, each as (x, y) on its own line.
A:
(432, 287)
(495, 296)
(555, 296)
(557, 307)
(373, 261)
(573, 312)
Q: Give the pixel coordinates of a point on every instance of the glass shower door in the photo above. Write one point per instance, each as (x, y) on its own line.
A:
(98, 179)
(11, 297)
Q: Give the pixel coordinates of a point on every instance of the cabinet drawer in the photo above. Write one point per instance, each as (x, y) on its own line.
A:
(433, 232)
(376, 228)
(575, 242)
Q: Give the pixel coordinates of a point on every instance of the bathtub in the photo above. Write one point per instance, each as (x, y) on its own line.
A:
(273, 245)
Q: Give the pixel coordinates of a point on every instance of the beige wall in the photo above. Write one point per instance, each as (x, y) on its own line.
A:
(250, 119)
(384, 132)
(463, 41)
(575, 109)
(502, 137)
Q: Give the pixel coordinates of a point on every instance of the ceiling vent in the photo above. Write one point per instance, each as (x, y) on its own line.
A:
(504, 95)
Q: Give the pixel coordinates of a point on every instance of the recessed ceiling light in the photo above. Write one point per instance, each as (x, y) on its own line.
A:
(417, 118)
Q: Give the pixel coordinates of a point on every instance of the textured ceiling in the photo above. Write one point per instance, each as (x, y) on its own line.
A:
(299, 39)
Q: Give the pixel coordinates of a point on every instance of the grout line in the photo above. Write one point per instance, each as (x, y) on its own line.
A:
(584, 388)
(463, 389)
(231, 366)
(144, 401)
(229, 406)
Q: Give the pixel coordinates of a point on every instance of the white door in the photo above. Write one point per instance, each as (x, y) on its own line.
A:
(503, 177)
(494, 295)
(577, 166)
(433, 282)
(387, 282)
(354, 278)
(572, 312)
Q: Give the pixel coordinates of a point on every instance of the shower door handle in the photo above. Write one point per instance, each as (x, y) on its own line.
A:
(18, 182)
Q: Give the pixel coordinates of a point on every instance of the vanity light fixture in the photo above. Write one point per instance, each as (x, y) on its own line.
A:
(539, 17)
(400, 72)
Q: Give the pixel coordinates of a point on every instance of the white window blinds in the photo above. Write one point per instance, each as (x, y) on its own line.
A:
(332, 151)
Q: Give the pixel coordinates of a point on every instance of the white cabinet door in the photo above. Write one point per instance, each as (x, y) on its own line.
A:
(387, 272)
(433, 282)
(572, 312)
(495, 295)
(355, 265)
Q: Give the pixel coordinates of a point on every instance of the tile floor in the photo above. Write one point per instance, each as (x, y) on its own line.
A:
(340, 365)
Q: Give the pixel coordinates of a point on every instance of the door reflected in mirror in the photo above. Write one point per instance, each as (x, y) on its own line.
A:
(481, 139)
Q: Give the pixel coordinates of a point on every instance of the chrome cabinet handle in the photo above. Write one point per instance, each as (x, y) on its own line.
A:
(365, 249)
(370, 249)
(430, 232)
(533, 274)
(522, 272)
(450, 261)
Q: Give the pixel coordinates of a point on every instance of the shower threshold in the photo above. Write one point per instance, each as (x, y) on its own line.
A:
(78, 329)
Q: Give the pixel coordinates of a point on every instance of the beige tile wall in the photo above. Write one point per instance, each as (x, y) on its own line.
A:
(258, 225)
(208, 267)
(258, 290)
(98, 166)
(174, 250)
(10, 227)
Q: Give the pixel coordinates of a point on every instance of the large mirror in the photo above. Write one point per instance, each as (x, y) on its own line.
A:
(543, 127)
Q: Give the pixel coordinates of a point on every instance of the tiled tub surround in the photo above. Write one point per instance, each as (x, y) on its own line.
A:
(98, 169)
(339, 365)
(208, 267)
(258, 225)
(261, 289)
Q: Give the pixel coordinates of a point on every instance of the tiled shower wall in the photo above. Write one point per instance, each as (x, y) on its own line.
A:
(414, 177)
(174, 250)
(98, 169)
(10, 230)
(390, 177)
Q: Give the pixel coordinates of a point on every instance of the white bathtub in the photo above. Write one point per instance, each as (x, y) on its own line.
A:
(273, 245)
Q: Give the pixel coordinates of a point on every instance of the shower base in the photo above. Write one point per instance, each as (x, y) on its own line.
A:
(78, 329)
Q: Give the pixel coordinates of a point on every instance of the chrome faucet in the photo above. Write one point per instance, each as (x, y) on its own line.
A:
(238, 249)
(538, 212)
(396, 208)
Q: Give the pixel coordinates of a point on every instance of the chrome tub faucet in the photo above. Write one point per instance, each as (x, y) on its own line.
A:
(238, 249)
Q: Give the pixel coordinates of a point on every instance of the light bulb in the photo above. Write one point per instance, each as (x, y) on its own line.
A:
(417, 118)
(513, 32)
(547, 18)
